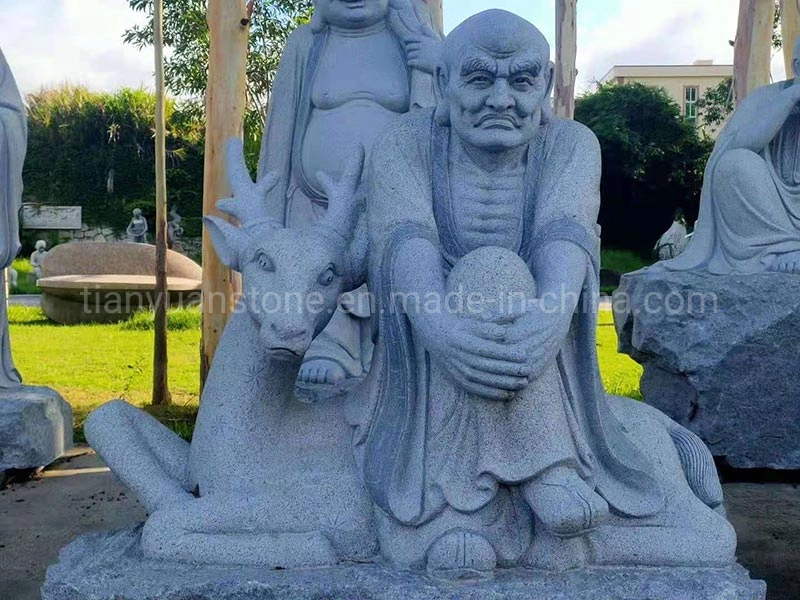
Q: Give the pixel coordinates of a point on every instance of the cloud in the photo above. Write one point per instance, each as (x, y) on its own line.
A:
(49, 42)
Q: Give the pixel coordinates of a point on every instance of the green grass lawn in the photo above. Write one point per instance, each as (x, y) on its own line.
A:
(92, 364)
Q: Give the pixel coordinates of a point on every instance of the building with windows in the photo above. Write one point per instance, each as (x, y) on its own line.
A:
(685, 83)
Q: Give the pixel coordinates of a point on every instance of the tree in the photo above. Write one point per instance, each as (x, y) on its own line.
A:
(96, 150)
(653, 161)
(186, 34)
(716, 104)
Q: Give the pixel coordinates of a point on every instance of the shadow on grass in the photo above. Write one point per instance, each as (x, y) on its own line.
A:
(179, 419)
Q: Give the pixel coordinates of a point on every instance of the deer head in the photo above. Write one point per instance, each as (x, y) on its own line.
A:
(291, 278)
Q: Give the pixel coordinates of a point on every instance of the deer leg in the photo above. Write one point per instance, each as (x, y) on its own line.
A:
(147, 456)
(235, 530)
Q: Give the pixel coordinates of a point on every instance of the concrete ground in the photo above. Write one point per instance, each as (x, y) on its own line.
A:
(25, 299)
(79, 495)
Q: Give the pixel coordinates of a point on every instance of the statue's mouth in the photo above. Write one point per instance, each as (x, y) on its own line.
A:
(507, 122)
(355, 3)
(284, 353)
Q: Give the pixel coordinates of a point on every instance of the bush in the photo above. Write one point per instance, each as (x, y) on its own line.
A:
(25, 282)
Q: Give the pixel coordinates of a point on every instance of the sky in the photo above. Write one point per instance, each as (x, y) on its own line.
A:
(48, 42)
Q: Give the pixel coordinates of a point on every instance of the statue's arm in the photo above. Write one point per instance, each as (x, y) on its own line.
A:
(760, 117)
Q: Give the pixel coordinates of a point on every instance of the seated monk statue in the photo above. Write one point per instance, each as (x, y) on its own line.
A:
(341, 80)
(750, 207)
(480, 432)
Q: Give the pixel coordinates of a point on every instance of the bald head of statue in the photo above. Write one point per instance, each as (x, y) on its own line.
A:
(494, 81)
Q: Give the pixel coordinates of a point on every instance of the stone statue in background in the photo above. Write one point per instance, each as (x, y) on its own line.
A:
(341, 80)
(13, 146)
(174, 228)
(490, 441)
(750, 207)
(137, 228)
(37, 257)
(674, 240)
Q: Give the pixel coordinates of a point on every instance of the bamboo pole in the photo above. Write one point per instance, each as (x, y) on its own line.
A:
(752, 53)
(566, 54)
(161, 395)
(790, 31)
(229, 25)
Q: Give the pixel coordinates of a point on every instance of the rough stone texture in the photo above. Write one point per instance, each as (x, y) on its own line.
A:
(109, 566)
(727, 372)
(35, 427)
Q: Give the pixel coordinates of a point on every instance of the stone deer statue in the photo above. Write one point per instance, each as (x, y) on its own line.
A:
(268, 480)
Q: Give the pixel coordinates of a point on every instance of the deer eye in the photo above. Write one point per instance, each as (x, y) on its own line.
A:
(265, 262)
(327, 276)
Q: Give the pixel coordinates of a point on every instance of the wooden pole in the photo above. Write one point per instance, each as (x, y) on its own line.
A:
(438, 13)
(229, 25)
(161, 395)
(566, 54)
(790, 31)
(752, 53)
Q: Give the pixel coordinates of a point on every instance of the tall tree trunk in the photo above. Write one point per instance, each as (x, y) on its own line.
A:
(437, 12)
(229, 25)
(566, 53)
(751, 59)
(790, 30)
(161, 395)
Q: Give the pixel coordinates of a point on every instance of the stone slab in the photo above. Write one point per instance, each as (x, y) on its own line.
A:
(35, 216)
(109, 566)
(35, 427)
(720, 357)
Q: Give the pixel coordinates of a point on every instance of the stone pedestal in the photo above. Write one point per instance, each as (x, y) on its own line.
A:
(35, 427)
(721, 356)
(109, 566)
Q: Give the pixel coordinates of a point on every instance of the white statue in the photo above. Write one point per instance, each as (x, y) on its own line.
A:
(137, 228)
(37, 257)
(13, 145)
(673, 242)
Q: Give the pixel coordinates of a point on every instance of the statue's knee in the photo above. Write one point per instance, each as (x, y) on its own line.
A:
(739, 164)
(105, 418)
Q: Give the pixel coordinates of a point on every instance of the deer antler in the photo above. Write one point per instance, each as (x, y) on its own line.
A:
(248, 204)
(345, 197)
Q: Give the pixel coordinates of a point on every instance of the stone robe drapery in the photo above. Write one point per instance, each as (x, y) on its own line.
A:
(392, 415)
(738, 231)
(13, 145)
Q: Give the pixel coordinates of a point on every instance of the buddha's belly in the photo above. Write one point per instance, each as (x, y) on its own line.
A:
(332, 135)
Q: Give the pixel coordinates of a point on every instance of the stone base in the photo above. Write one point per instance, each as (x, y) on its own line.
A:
(720, 357)
(35, 427)
(110, 566)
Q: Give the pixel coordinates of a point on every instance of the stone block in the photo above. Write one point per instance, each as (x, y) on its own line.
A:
(35, 427)
(110, 566)
(720, 356)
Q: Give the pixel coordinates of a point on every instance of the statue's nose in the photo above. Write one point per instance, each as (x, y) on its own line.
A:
(288, 331)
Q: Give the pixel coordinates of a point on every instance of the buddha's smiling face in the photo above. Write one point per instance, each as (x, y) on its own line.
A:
(495, 82)
(352, 14)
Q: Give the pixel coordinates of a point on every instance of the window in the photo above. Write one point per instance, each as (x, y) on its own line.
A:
(690, 96)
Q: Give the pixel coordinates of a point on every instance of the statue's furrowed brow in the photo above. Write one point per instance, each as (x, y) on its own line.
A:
(533, 67)
(472, 65)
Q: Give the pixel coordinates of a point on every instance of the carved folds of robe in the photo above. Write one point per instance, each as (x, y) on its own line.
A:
(423, 442)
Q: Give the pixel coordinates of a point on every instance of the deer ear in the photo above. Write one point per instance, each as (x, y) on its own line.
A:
(226, 239)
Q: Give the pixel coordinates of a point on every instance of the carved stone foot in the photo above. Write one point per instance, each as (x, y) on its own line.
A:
(461, 554)
(321, 371)
(786, 263)
(564, 504)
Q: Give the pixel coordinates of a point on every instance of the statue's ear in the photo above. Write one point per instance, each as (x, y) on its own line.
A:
(318, 17)
(550, 78)
(440, 81)
(227, 240)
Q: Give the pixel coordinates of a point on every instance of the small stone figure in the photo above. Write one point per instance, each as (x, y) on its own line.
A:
(674, 240)
(137, 229)
(750, 206)
(37, 257)
(13, 278)
(174, 228)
